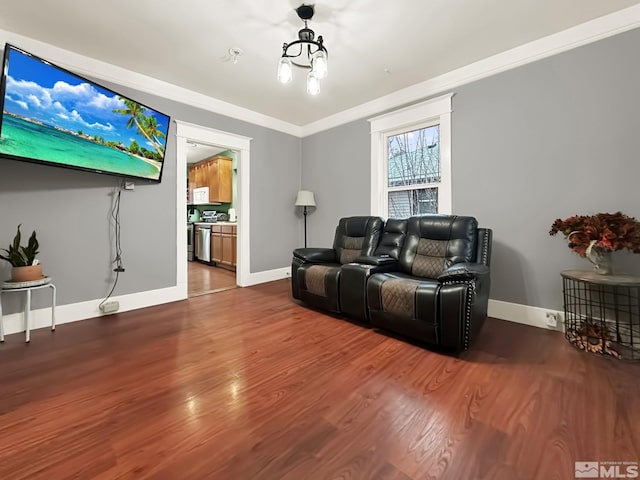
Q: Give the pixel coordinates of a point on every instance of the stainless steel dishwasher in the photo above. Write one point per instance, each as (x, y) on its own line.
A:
(204, 243)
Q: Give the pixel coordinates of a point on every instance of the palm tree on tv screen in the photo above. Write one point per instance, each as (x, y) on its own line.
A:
(150, 125)
(145, 124)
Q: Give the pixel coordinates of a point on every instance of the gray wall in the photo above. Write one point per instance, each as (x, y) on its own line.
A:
(336, 166)
(70, 210)
(554, 138)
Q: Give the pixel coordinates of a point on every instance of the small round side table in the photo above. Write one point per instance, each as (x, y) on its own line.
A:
(602, 313)
(28, 287)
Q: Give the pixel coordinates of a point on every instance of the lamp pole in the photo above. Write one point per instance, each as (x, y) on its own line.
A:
(304, 212)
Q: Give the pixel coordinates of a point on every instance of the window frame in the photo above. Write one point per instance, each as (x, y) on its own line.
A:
(436, 111)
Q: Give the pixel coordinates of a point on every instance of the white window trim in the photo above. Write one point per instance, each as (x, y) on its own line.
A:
(436, 110)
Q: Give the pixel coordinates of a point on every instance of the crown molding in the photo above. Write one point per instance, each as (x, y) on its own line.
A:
(99, 70)
(583, 34)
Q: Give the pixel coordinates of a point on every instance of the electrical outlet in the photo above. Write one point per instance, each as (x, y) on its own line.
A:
(109, 307)
(552, 319)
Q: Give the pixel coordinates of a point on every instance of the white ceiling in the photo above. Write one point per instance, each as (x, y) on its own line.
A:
(197, 151)
(375, 47)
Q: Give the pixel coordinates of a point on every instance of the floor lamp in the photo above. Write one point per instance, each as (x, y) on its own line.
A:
(305, 199)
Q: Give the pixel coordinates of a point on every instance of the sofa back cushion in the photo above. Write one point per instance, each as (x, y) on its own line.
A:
(435, 242)
(356, 236)
(395, 231)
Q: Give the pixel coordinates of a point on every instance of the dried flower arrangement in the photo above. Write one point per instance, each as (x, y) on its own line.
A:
(603, 231)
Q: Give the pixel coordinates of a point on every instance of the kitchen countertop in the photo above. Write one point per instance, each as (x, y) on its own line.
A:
(208, 224)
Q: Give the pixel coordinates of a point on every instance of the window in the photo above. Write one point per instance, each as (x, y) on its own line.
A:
(413, 172)
(411, 160)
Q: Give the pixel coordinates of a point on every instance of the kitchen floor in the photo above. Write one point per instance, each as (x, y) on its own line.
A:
(204, 279)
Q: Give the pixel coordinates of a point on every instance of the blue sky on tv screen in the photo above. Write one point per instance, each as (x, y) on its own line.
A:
(47, 94)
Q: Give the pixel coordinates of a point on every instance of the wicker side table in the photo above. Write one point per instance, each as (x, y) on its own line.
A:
(602, 313)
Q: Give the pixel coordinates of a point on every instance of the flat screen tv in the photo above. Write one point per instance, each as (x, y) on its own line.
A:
(55, 117)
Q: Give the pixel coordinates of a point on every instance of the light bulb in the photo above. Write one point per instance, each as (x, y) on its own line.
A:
(319, 64)
(285, 70)
(313, 84)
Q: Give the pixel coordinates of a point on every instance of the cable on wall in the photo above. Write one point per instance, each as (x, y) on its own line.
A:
(115, 222)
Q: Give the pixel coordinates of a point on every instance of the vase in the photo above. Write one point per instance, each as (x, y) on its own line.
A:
(601, 260)
(26, 274)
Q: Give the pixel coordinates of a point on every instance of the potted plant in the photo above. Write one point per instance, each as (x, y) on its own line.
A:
(23, 259)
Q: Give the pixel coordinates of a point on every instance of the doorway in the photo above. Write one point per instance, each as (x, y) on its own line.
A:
(194, 143)
(208, 217)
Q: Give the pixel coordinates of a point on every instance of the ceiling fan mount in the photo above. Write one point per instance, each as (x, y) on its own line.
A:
(305, 12)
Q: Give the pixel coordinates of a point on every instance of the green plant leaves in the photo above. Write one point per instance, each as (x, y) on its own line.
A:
(20, 256)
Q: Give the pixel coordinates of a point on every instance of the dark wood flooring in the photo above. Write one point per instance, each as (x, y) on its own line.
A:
(204, 279)
(248, 384)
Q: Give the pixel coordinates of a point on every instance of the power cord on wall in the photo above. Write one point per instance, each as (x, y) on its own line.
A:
(115, 216)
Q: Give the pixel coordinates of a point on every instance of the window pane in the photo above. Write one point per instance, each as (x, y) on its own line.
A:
(414, 157)
(406, 203)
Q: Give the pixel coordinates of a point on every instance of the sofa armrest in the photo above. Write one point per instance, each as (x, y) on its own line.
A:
(464, 271)
(315, 255)
(376, 261)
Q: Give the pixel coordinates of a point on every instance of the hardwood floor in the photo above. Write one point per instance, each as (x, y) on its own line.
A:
(248, 384)
(204, 279)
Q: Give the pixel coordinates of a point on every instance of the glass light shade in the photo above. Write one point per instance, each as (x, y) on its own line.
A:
(319, 64)
(285, 70)
(313, 84)
(305, 198)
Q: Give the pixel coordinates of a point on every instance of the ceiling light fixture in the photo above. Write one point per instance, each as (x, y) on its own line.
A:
(304, 53)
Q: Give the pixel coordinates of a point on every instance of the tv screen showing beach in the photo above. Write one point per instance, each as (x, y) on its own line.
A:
(53, 116)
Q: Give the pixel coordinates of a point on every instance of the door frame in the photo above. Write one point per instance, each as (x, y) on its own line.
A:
(230, 141)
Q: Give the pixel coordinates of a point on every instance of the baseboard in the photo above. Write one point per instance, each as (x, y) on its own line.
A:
(267, 276)
(41, 318)
(524, 314)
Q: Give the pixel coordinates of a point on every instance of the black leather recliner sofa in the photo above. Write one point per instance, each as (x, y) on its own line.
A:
(425, 277)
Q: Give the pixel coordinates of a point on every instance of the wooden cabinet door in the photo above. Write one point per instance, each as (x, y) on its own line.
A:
(227, 249)
(234, 247)
(197, 176)
(225, 179)
(196, 250)
(216, 245)
(211, 167)
(191, 183)
(220, 180)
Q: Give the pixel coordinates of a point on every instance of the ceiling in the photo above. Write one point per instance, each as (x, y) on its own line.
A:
(375, 47)
(197, 151)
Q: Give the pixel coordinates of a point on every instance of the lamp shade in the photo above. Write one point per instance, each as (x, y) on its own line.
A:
(305, 199)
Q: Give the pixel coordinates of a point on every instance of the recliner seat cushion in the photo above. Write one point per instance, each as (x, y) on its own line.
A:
(397, 295)
(315, 279)
(319, 285)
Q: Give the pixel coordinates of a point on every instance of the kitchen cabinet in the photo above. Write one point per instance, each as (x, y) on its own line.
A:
(216, 174)
(224, 239)
(216, 245)
(196, 248)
